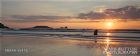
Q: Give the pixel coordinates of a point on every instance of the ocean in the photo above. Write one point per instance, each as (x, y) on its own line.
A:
(44, 43)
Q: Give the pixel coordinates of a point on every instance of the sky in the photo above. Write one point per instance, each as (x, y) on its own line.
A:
(0, 8)
(58, 7)
(28, 13)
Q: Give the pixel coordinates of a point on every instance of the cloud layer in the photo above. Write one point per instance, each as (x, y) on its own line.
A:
(128, 12)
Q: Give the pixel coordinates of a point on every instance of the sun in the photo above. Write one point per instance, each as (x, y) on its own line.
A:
(109, 25)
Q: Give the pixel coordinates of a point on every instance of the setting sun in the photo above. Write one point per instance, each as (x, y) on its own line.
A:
(109, 25)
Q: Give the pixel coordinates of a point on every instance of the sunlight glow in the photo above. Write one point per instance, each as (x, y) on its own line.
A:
(100, 10)
(107, 40)
(109, 25)
(108, 34)
(107, 47)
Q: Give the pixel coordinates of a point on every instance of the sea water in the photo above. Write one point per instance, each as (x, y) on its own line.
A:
(30, 43)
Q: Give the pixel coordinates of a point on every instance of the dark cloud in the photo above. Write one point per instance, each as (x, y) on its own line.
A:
(23, 18)
(38, 17)
(128, 12)
(92, 15)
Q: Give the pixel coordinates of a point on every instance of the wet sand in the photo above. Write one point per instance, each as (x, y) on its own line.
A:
(29, 46)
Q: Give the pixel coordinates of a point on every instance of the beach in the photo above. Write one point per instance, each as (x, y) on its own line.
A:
(70, 28)
(53, 45)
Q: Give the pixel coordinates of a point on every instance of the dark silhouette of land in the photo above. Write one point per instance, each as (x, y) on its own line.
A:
(66, 29)
(3, 26)
(45, 28)
(41, 27)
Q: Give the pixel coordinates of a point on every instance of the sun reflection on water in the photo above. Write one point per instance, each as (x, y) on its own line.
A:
(108, 34)
(107, 47)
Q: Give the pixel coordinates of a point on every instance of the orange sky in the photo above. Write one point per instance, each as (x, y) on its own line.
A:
(64, 8)
(79, 25)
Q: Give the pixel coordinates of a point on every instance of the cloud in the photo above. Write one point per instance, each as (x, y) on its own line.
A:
(92, 15)
(25, 18)
(55, 19)
(127, 12)
(36, 17)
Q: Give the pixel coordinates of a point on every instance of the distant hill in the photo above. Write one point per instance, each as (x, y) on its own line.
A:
(38, 28)
(3, 26)
(47, 27)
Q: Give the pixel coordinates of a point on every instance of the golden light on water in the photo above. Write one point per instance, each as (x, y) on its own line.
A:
(107, 40)
(108, 34)
(107, 47)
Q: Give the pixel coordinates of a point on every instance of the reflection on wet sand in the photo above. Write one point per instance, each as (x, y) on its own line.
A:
(108, 34)
(107, 47)
(63, 46)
